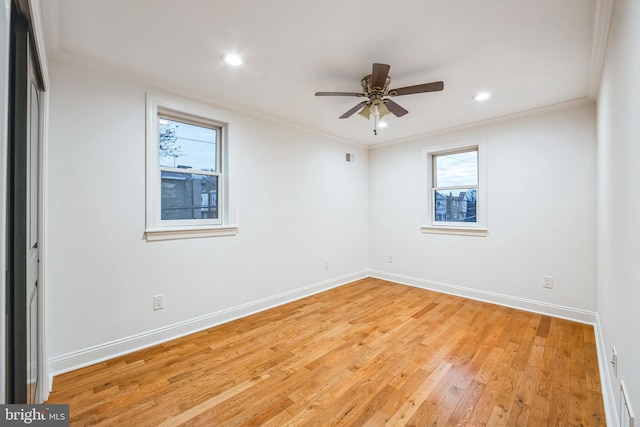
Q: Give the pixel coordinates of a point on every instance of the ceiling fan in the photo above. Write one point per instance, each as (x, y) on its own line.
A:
(375, 87)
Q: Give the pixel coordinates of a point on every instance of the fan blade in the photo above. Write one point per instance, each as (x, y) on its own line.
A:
(379, 75)
(426, 87)
(339, 94)
(353, 110)
(397, 110)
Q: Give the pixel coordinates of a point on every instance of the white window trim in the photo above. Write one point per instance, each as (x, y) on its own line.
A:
(189, 233)
(429, 224)
(157, 229)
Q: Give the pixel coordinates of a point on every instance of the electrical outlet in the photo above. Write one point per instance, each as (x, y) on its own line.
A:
(548, 282)
(326, 264)
(390, 259)
(614, 362)
(158, 302)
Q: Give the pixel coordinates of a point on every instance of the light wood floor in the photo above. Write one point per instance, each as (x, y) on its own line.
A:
(370, 353)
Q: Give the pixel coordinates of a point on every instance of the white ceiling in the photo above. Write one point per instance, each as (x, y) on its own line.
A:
(527, 53)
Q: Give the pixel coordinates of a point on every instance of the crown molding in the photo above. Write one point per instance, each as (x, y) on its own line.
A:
(147, 82)
(601, 25)
(488, 122)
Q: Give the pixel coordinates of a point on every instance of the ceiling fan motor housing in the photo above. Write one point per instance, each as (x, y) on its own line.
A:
(369, 90)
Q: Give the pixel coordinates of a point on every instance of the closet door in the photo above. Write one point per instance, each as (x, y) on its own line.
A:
(24, 166)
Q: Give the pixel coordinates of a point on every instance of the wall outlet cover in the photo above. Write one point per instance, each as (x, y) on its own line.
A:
(158, 302)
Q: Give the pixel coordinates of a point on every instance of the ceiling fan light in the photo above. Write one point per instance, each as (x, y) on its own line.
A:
(365, 112)
(384, 111)
(232, 59)
(482, 96)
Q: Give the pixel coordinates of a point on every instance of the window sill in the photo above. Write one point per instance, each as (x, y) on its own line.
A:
(152, 235)
(459, 231)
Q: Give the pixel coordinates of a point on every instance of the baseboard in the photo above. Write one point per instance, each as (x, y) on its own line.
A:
(89, 356)
(608, 391)
(569, 313)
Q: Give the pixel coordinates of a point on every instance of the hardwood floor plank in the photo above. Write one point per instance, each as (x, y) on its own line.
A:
(374, 405)
(196, 410)
(370, 352)
(494, 384)
(461, 415)
(527, 387)
(539, 413)
(559, 409)
(596, 409)
(393, 414)
(543, 327)
(519, 414)
(446, 402)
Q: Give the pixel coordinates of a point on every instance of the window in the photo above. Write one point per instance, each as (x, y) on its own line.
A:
(186, 176)
(189, 171)
(454, 192)
(455, 186)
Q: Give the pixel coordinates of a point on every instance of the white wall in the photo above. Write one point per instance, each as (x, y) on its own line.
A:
(618, 200)
(298, 203)
(541, 215)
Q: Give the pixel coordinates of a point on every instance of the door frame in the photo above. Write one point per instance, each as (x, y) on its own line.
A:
(25, 22)
(17, 213)
(5, 28)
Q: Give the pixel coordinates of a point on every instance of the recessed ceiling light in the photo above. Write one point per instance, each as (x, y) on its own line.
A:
(232, 59)
(383, 124)
(482, 96)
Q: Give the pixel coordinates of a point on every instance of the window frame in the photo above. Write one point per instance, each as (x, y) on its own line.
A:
(428, 181)
(157, 107)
